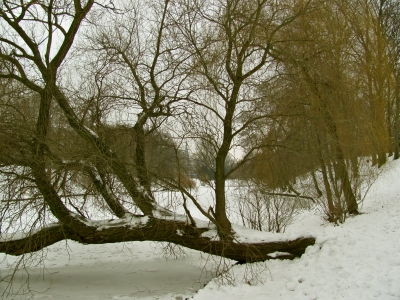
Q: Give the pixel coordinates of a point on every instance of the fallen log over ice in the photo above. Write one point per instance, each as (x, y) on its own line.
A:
(177, 231)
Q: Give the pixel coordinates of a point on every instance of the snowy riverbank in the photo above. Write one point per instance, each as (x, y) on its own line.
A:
(359, 259)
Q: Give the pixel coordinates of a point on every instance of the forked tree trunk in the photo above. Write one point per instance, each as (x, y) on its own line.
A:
(340, 165)
(144, 201)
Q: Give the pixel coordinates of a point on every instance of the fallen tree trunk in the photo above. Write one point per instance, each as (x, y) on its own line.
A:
(162, 230)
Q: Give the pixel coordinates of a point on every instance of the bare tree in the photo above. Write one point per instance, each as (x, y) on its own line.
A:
(139, 67)
(39, 59)
(388, 12)
(232, 54)
(332, 102)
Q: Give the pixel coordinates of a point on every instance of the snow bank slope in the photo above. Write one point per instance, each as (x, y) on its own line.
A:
(357, 260)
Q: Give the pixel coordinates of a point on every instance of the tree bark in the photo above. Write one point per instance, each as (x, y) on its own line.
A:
(140, 156)
(102, 187)
(160, 230)
(396, 120)
(224, 225)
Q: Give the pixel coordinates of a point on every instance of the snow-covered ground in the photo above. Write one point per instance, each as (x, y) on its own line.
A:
(359, 259)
